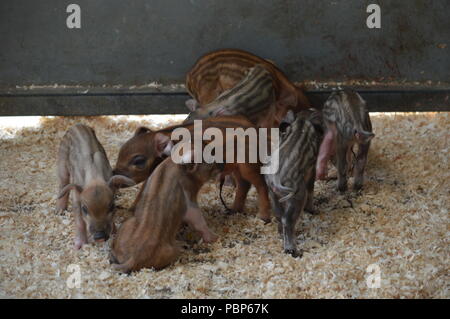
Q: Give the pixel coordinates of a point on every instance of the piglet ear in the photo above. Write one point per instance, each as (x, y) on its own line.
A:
(141, 130)
(68, 188)
(289, 117)
(192, 105)
(163, 144)
(119, 181)
(364, 136)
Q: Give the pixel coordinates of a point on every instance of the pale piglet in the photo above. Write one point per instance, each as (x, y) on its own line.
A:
(83, 168)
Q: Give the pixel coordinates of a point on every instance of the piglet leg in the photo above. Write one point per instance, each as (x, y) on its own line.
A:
(242, 188)
(138, 197)
(258, 181)
(361, 160)
(64, 179)
(325, 151)
(276, 205)
(309, 206)
(81, 236)
(195, 219)
(294, 207)
(342, 168)
(80, 225)
(126, 267)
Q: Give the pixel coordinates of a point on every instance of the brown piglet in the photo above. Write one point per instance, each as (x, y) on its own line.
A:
(139, 156)
(147, 240)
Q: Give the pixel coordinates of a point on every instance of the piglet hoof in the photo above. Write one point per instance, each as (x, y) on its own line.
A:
(357, 187)
(112, 259)
(116, 267)
(342, 188)
(293, 252)
(266, 219)
(210, 237)
(230, 211)
(311, 211)
(121, 268)
(60, 210)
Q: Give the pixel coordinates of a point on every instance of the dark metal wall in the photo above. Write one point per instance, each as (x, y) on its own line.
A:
(123, 44)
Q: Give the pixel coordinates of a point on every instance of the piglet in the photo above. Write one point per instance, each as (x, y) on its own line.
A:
(347, 124)
(147, 240)
(252, 97)
(143, 152)
(291, 188)
(83, 168)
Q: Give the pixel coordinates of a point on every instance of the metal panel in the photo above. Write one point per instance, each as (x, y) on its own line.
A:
(133, 43)
(173, 103)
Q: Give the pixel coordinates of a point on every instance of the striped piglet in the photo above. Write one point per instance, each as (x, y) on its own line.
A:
(252, 97)
(347, 124)
(291, 188)
(221, 70)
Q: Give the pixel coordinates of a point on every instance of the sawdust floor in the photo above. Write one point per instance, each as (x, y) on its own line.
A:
(400, 224)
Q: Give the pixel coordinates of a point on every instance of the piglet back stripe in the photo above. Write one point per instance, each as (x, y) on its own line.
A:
(347, 110)
(298, 154)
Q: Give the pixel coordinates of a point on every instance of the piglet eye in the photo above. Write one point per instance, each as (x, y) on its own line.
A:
(139, 161)
(84, 210)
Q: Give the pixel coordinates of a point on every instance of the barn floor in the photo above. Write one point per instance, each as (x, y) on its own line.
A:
(400, 223)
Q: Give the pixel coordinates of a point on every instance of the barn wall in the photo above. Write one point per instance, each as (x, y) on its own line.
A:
(123, 46)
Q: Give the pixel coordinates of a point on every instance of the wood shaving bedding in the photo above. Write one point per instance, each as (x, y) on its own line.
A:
(400, 223)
